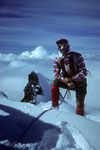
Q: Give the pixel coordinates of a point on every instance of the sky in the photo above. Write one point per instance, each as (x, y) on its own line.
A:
(24, 25)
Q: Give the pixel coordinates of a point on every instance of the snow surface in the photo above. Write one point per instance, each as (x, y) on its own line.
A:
(57, 129)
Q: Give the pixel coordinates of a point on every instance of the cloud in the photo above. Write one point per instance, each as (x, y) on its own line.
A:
(38, 53)
(7, 57)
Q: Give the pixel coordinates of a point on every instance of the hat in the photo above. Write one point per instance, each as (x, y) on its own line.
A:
(61, 41)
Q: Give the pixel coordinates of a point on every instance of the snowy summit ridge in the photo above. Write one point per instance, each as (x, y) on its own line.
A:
(58, 129)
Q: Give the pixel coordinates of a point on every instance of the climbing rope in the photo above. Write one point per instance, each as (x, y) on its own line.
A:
(33, 121)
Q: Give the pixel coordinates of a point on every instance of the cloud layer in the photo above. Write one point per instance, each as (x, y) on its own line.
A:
(38, 53)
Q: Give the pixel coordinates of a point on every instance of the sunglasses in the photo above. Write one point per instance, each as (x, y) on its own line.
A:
(64, 45)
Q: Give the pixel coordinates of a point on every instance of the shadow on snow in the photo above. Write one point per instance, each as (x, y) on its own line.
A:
(15, 122)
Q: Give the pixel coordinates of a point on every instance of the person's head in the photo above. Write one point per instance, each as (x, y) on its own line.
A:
(63, 46)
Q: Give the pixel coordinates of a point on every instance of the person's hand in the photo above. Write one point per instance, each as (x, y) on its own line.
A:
(71, 85)
(67, 80)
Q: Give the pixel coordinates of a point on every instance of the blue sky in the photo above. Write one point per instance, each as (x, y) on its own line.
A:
(26, 24)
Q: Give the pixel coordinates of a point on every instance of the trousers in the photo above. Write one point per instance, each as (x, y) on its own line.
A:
(80, 89)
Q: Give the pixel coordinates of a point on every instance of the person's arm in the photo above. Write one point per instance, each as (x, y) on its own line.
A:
(82, 69)
(57, 70)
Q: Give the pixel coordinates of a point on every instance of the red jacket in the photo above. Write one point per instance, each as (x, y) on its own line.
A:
(66, 65)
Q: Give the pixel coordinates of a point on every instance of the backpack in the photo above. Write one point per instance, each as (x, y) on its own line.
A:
(74, 62)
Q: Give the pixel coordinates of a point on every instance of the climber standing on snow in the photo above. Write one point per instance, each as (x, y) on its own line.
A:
(70, 73)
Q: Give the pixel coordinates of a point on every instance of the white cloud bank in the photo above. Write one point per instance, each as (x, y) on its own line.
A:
(38, 53)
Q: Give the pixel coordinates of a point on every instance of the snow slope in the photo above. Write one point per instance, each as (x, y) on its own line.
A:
(57, 129)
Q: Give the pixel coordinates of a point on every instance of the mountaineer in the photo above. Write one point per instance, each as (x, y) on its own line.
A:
(69, 73)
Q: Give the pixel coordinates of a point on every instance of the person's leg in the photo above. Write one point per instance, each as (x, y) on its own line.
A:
(80, 97)
(54, 95)
(55, 91)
